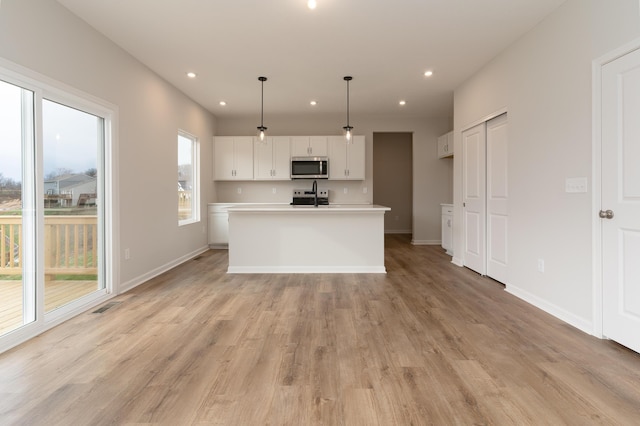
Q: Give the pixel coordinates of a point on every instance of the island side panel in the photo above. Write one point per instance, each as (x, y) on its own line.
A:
(303, 241)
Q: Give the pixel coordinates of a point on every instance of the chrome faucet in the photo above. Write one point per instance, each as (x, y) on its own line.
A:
(314, 189)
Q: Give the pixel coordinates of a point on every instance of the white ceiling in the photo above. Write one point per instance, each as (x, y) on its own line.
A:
(385, 45)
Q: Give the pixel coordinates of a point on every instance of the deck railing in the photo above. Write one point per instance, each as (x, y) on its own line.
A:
(70, 245)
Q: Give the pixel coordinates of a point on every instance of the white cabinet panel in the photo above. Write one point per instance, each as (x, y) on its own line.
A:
(447, 228)
(445, 145)
(281, 158)
(233, 157)
(306, 146)
(346, 160)
(272, 159)
(218, 222)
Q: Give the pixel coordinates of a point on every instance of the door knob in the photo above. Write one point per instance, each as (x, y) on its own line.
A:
(606, 214)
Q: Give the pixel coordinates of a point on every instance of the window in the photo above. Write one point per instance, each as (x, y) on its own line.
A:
(188, 179)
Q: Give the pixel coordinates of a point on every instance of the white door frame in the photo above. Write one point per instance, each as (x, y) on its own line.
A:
(460, 222)
(596, 169)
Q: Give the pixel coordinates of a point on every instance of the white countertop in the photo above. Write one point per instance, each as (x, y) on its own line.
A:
(287, 208)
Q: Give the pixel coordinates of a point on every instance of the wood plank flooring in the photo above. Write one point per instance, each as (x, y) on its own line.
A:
(56, 293)
(428, 343)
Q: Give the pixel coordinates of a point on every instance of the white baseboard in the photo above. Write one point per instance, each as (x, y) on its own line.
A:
(126, 286)
(581, 324)
(306, 270)
(426, 242)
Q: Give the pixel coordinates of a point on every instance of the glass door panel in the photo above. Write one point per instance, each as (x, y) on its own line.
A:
(17, 280)
(72, 140)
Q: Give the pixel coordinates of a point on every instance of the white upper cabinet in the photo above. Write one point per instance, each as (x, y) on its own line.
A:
(445, 145)
(271, 159)
(309, 146)
(346, 161)
(233, 158)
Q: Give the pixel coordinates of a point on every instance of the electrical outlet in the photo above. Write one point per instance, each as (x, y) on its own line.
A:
(364, 190)
(273, 190)
(346, 190)
(127, 254)
(239, 190)
(540, 265)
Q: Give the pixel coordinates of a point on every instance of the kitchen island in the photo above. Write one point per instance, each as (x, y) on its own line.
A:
(281, 238)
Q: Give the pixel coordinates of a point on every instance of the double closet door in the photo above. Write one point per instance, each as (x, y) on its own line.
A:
(485, 198)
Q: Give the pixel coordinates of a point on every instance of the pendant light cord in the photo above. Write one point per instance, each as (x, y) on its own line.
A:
(348, 103)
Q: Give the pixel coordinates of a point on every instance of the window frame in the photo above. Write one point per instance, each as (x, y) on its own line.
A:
(195, 177)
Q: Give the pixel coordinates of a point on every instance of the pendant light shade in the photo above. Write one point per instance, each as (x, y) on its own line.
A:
(348, 130)
(262, 135)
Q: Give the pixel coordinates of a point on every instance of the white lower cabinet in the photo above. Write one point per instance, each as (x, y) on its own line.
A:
(218, 225)
(447, 228)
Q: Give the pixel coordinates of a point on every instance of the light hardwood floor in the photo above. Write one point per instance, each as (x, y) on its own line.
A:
(427, 343)
(56, 293)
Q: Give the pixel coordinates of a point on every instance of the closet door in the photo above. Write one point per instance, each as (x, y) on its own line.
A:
(620, 204)
(485, 196)
(497, 197)
(473, 193)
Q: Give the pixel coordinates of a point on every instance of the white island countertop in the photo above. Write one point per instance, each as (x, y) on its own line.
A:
(281, 238)
(288, 208)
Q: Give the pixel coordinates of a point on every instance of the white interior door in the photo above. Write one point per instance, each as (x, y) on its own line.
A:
(621, 196)
(497, 197)
(473, 197)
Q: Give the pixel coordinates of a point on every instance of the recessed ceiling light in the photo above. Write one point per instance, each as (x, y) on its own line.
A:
(223, 103)
(191, 74)
(311, 4)
(313, 103)
(428, 73)
(402, 103)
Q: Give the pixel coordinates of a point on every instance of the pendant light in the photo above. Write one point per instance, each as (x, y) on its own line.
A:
(348, 129)
(262, 136)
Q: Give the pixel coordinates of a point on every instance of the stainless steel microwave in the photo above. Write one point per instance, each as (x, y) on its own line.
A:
(309, 168)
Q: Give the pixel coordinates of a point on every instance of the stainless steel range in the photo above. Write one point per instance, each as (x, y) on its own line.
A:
(306, 197)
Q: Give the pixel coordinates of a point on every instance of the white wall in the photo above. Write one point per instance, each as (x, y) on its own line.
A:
(544, 82)
(432, 177)
(44, 37)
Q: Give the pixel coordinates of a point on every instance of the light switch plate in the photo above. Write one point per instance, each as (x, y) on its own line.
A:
(576, 185)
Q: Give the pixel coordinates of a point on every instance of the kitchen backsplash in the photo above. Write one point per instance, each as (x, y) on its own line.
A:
(340, 192)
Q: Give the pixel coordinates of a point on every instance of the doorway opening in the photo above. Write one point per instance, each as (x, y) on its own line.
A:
(393, 179)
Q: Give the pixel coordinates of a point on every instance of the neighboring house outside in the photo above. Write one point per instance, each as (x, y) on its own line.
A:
(66, 190)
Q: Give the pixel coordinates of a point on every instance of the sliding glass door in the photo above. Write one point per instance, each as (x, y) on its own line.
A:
(52, 206)
(72, 140)
(17, 284)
